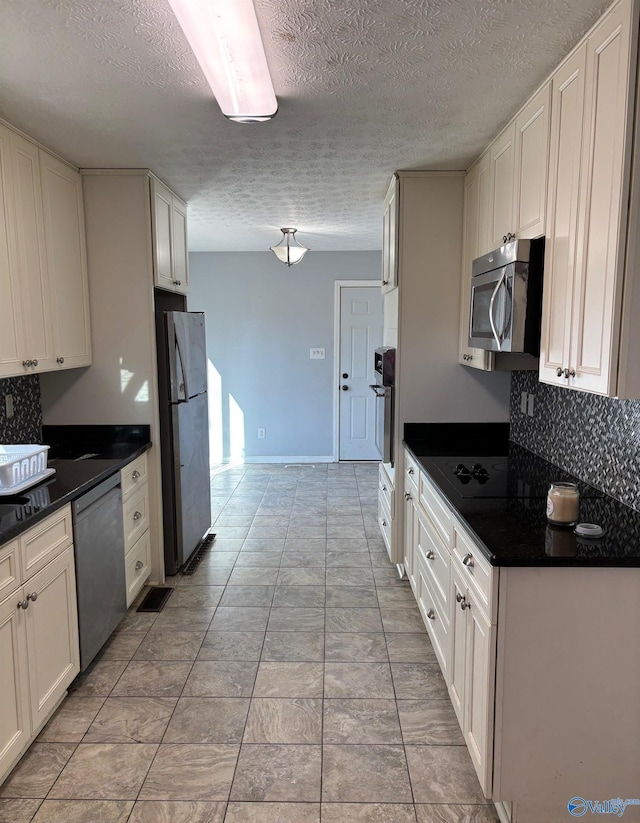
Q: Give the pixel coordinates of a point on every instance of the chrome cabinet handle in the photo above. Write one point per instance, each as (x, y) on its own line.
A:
(410, 471)
(572, 372)
(464, 605)
(430, 555)
(468, 560)
(23, 604)
(407, 496)
(135, 475)
(384, 522)
(26, 363)
(60, 360)
(137, 515)
(385, 282)
(33, 597)
(431, 614)
(458, 597)
(139, 565)
(34, 362)
(559, 371)
(384, 488)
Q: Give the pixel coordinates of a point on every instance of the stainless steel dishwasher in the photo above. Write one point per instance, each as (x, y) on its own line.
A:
(99, 551)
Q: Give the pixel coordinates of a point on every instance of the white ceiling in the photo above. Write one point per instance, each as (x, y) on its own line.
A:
(364, 87)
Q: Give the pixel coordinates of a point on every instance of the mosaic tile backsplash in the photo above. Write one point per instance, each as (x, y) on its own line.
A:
(26, 424)
(596, 438)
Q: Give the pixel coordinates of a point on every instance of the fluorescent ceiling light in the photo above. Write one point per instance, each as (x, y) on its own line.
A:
(225, 38)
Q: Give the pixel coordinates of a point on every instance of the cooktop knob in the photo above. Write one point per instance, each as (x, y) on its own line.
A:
(462, 471)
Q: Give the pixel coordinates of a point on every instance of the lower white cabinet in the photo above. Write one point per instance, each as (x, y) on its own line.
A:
(135, 518)
(386, 502)
(39, 651)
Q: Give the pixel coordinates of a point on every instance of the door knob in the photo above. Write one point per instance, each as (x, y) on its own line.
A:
(344, 376)
(345, 388)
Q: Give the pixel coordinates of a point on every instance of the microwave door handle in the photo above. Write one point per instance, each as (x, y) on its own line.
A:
(491, 305)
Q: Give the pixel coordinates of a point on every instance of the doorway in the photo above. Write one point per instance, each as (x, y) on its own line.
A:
(358, 332)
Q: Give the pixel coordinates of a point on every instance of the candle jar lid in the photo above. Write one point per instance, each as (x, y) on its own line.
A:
(564, 487)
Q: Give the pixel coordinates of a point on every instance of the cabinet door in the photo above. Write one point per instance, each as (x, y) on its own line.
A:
(389, 239)
(502, 159)
(562, 216)
(484, 245)
(52, 634)
(10, 313)
(603, 210)
(469, 356)
(479, 690)
(410, 539)
(31, 254)
(532, 165)
(15, 728)
(180, 251)
(66, 261)
(457, 683)
(161, 213)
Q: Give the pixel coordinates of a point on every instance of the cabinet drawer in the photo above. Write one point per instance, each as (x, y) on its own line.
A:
(411, 474)
(135, 516)
(384, 522)
(45, 541)
(437, 510)
(476, 571)
(137, 567)
(436, 559)
(10, 576)
(435, 619)
(133, 475)
(385, 490)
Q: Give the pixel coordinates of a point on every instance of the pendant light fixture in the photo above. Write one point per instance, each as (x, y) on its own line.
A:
(225, 38)
(288, 250)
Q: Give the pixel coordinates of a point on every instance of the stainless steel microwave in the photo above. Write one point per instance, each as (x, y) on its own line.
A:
(506, 298)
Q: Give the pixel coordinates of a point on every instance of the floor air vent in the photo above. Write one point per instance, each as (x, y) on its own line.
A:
(155, 599)
(203, 549)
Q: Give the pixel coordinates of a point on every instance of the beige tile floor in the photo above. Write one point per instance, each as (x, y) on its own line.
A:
(289, 680)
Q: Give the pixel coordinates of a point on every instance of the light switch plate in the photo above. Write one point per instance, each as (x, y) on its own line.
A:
(8, 405)
(523, 402)
(316, 354)
(530, 405)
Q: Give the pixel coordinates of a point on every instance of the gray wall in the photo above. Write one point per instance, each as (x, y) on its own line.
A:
(262, 318)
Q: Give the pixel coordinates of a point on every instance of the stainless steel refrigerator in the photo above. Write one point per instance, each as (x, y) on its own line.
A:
(184, 434)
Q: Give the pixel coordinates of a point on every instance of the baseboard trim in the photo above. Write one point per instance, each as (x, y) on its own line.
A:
(305, 458)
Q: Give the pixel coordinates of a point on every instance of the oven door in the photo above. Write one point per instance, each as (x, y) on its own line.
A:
(491, 314)
(384, 421)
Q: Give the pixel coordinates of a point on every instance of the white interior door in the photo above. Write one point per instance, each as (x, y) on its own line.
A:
(361, 322)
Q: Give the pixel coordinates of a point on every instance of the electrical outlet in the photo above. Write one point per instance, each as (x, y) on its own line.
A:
(316, 354)
(8, 405)
(523, 402)
(530, 405)
(262, 433)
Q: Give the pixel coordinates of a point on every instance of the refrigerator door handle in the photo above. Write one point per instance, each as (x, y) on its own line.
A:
(183, 388)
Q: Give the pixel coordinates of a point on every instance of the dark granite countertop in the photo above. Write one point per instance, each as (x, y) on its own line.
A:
(75, 473)
(513, 530)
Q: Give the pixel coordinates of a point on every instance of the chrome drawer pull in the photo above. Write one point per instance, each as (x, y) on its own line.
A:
(430, 555)
(135, 475)
(410, 471)
(139, 565)
(23, 604)
(384, 488)
(384, 522)
(137, 515)
(33, 597)
(431, 614)
(407, 496)
(468, 560)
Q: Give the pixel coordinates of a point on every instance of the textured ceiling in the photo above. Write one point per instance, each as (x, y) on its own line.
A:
(364, 87)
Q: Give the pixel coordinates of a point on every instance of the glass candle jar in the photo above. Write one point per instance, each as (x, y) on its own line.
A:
(562, 504)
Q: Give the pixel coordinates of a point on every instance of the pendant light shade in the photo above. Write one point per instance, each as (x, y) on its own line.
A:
(225, 38)
(288, 250)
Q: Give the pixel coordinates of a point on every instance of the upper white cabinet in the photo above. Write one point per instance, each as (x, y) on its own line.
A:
(390, 238)
(44, 313)
(476, 196)
(585, 280)
(169, 227)
(502, 154)
(66, 262)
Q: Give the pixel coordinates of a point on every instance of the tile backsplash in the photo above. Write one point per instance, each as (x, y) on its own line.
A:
(595, 438)
(26, 424)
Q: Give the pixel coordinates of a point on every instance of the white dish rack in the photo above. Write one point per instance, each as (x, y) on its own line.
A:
(22, 467)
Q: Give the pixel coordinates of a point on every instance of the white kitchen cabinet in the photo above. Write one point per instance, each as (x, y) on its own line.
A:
(66, 262)
(585, 278)
(532, 126)
(39, 649)
(502, 158)
(410, 539)
(476, 189)
(390, 238)
(169, 228)
(31, 256)
(135, 521)
(44, 310)
(386, 505)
